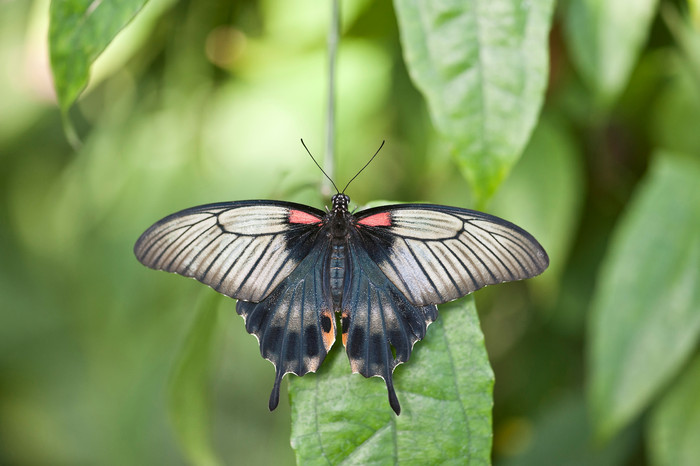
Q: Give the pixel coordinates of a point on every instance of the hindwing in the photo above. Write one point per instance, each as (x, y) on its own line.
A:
(380, 325)
(294, 324)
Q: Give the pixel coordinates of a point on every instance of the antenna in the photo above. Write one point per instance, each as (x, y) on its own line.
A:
(319, 167)
(358, 173)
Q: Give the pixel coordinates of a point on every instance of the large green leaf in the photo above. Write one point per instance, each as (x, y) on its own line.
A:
(79, 30)
(605, 38)
(189, 406)
(445, 394)
(674, 427)
(482, 66)
(645, 316)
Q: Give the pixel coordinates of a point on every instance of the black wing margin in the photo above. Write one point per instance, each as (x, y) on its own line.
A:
(434, 254)
(241, 249)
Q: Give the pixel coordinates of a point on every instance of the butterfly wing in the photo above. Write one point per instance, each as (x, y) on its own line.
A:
(241, 249)
(407, 258)
(434, 254)
(401, 261)
(379, 325)
(294, 324)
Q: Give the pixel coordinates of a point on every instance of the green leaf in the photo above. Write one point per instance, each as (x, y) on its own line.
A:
(189, 397)
(674, 426)
(445, 393)
(482, 67)
(561, 434)
(79, 30)
(605, 39)
(685, 28)
(645, 318)
(676, 112)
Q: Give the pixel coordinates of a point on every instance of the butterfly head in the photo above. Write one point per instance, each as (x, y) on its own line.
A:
(340, 202)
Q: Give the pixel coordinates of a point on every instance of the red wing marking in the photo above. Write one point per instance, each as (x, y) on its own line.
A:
(298, 216)
(377, 220)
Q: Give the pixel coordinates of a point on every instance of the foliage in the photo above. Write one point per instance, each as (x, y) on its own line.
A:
(79, 31)
(483, 72)
(579, 124)
(605, 40)
(446, 403)
(645, 321)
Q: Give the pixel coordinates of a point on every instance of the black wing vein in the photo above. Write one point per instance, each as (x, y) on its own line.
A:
(422, 267)
(487, 249)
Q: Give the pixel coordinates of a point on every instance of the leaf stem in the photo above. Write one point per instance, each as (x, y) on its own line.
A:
(333, 39)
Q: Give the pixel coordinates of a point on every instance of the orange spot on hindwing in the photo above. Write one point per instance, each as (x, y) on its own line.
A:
(345, 323)
(327, 328)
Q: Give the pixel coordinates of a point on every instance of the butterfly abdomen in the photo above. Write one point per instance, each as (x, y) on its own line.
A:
(337, 273)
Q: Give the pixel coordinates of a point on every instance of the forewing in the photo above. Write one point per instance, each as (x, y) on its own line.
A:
(379, 325)
(434, 254)
(241, 249)
(294, 324)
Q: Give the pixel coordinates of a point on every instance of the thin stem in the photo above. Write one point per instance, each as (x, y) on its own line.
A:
(333, 38)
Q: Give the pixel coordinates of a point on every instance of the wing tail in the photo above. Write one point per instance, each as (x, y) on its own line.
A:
(393, 399)
(275, 394)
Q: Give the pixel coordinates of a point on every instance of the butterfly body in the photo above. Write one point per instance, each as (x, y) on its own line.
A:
(293, 268)
(337, 272)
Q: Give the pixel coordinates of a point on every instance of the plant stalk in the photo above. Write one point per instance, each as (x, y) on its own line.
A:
(333, 39)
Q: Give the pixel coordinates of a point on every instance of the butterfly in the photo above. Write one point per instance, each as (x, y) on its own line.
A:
(293, 267)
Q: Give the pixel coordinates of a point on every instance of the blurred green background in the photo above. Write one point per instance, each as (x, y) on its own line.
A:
(199, 102)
